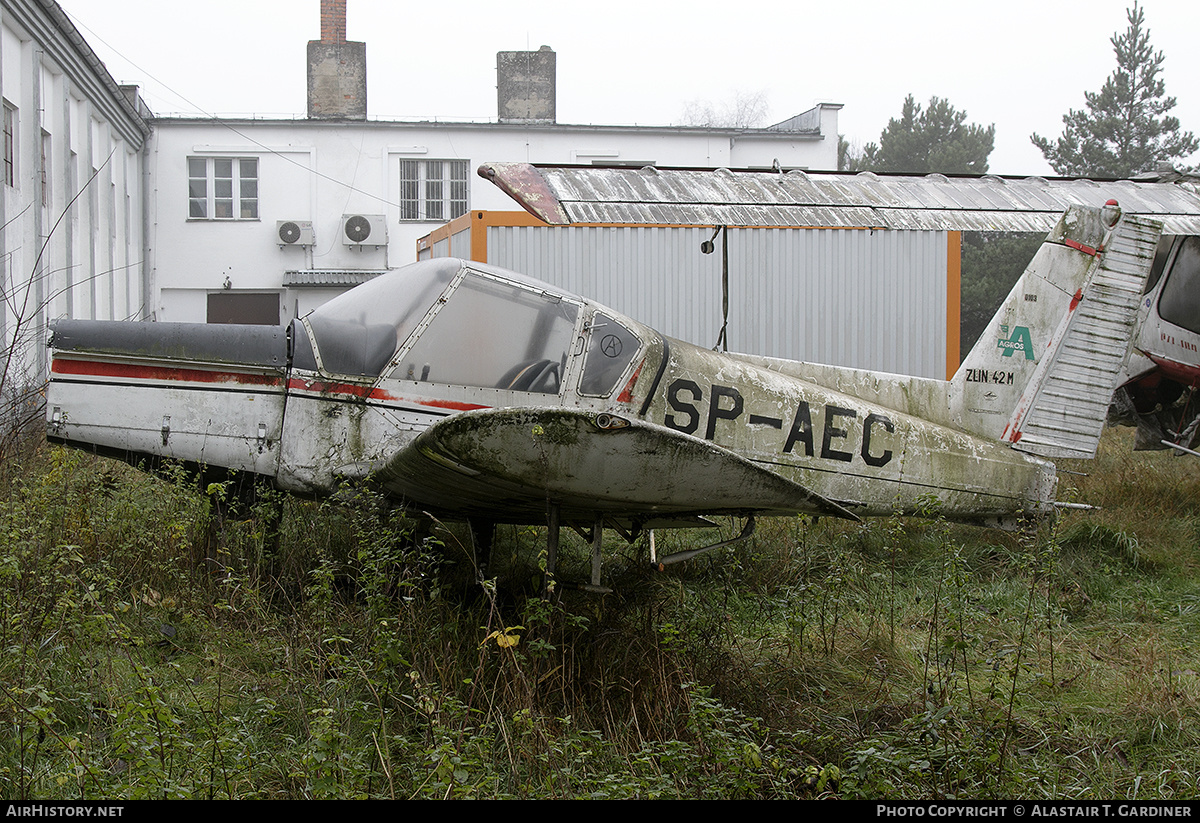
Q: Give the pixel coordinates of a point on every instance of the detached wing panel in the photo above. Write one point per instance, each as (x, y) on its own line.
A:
(507, 464)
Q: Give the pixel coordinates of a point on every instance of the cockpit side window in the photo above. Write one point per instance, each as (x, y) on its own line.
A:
(1180, 300)
(495, 334)
(1161, 253)
(611, 348)
(358, 332)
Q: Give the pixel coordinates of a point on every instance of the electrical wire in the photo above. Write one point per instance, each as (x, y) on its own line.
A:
(226, 124)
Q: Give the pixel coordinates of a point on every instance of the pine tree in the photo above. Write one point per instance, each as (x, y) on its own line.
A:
(1125, 129)
(937, 139)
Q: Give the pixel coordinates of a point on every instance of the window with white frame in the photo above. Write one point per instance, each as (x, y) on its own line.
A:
(10, 144)
(434, 189)
(44, 169)
(222, 188)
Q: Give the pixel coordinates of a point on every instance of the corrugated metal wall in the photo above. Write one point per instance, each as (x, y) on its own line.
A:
(455, 245)
(874, 300)
(460, 244)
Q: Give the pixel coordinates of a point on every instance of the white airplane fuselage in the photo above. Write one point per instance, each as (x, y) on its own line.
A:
(472, 392)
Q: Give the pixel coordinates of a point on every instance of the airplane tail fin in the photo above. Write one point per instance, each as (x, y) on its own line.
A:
(1042, 374)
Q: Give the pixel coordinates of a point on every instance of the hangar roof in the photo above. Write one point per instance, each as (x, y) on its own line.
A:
(705, 197)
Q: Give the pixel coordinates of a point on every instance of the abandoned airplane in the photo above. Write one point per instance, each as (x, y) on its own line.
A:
(478, 394)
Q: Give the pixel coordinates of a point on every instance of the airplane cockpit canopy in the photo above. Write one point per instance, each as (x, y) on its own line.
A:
(492, 332)
(357, 332)
(446, 321)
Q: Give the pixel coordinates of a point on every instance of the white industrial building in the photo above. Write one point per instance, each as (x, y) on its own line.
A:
(71, 199)
(259, 221)
(223, 190)
(109, 212)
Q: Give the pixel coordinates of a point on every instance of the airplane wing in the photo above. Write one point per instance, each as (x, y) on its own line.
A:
(508, 464)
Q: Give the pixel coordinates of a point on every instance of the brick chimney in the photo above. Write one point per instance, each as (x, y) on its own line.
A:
(337, 69)
(333, 21)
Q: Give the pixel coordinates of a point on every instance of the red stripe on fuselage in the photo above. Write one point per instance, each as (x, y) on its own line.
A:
(626, 395)
(369, 393)
(447, 404)
(130, 371)
(320, 387)
(1182, 372)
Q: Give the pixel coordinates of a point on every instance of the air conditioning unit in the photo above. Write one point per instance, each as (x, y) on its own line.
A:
(294, 232)
(364, 230)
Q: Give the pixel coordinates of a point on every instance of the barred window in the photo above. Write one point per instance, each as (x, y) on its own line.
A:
(223, 188)
(434, 189)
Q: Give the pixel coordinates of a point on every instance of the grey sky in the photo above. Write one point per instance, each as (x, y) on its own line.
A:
(1020, 64)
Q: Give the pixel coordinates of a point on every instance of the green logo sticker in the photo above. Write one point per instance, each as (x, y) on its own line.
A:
(1018, 340)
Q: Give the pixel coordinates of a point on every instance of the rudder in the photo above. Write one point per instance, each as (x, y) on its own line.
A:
(1042, 374)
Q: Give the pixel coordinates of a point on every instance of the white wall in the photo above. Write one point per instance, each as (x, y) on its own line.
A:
(320, 171)
(64, 255)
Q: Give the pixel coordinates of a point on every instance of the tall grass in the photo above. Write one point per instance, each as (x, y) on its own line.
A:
(146, 653)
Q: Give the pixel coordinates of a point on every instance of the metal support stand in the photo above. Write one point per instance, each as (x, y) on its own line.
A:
(1179, 448)
(552, 530)
(597, 545)
(483, 535)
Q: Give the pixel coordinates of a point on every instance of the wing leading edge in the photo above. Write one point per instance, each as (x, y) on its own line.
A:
(508, 464)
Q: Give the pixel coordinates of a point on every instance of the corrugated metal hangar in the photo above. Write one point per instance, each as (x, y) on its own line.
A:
(859, 270)
(853, 297)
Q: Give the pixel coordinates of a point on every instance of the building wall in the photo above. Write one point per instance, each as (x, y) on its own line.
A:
(320, 171)
(70, 212)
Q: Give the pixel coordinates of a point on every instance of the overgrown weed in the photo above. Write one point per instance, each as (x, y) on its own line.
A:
(357, 656)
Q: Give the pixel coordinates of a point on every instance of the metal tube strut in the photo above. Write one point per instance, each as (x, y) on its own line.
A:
(679, 557)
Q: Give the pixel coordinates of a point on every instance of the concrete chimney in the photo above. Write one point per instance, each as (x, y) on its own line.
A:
(337, 69)
(525, 86)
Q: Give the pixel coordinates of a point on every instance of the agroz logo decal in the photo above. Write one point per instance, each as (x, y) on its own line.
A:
(1018, 340)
